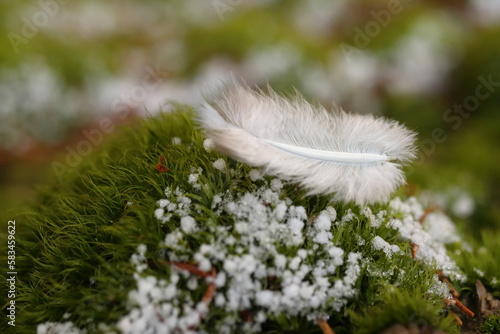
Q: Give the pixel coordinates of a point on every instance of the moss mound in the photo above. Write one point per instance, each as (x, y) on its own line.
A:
(207, 244)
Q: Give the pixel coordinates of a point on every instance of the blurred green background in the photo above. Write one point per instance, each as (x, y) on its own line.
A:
(68, 67)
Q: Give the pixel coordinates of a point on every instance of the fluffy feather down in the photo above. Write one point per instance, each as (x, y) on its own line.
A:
(354, 157)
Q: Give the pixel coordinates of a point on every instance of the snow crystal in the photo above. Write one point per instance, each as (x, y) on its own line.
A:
(141, 249)
(306, 291)
(220, 280)
(184, 200)
(295, 263)
(159, 213)
(295, 225)
(299, 212)
(410, 207)
(171, 207)
(255, 175)
(220, 300)
(439, 288)
(380, 244)
(220, 164)
(205, 265)
(323, 222)
(360, 240)
(172, 239)
(291, 291)
(349, 216)
(440, 228)
(241, 227)
(55, 328)
(265, 298)
(192, 283)
(137, 260)
(208, 144)
(280, 261)
(162, 203)
(375, 220)
(276, 185)
(188, 224)
(337, 255)
(302, 253)
(323, 237)
(431, 251)
(280, 211)
(463, 206)
(178, 191)
(331, 213)
(193, 179)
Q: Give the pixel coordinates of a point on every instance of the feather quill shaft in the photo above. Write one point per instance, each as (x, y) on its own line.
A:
(330, 156)
(354, 158)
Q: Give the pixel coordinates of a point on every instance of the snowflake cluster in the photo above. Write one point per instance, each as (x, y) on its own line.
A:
(436, 231)
(260, 255)
(268, 256)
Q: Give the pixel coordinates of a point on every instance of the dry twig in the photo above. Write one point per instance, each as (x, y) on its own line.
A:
(428, 211)
(455, 295)
(325, 327)
(414, 249)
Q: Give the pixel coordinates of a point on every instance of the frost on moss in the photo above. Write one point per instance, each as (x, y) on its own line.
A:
(110, 247)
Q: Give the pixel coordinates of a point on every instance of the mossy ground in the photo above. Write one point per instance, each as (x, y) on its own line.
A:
(74, 263)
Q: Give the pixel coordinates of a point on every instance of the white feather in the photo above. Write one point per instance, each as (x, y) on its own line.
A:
(354, 157)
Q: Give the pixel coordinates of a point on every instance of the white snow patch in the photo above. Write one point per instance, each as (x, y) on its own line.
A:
(276, 185)
(431, 251)
(380, 244)
(220, 164)
(255, 174)
(267, 239)
(188, 224)
(463, 206)
(59, 327)
(159, 213)
(208, 144)
(323, 222)
(440, 228)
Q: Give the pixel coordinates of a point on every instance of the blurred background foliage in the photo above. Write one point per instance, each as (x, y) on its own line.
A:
(66, 65)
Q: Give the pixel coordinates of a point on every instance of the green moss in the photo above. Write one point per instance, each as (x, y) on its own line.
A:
(75, 265)
(398, 306)
(491, 325)
(76, 260)
(481, 262)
